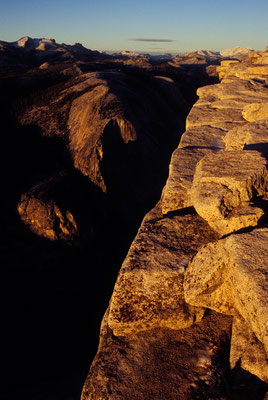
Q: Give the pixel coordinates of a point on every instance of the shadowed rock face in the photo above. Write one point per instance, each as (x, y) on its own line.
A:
(115, 109)
(117, 127)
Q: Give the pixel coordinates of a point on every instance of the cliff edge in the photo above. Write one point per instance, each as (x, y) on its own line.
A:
(188, 316)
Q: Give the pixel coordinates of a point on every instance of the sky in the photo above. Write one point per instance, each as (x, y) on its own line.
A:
(171, 26)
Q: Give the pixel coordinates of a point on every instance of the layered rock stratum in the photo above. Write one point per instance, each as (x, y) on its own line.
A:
(188, 315)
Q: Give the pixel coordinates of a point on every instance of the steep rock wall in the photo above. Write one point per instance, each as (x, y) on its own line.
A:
(188, 315)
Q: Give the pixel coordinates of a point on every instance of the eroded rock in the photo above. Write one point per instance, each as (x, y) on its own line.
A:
(230, 276)
(177, 192)
(207, 115)
(253, 135)
(255, 111)
(149, 289)
(224, 184)
(204, 136)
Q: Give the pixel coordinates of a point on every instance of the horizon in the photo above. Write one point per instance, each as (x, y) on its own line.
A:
(108, 51)
(171, 27)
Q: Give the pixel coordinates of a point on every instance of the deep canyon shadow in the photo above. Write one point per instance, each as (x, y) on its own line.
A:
(54, 294)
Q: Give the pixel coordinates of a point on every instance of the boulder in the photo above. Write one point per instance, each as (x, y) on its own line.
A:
(224, 184)
(149, 289)
(253, 135)
(256, 111)
(177, 192)
(230, 276)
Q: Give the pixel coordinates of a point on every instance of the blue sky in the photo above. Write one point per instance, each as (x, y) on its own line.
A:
(110, 24)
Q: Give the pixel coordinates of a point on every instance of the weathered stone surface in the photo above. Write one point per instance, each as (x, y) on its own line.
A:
(176, 193)
(230, 276)
(203, 136)
(256, 111)
(207, 115)
(162, 363)
(235, 89)
(223, 183)
(149, 289)
(247, 351)
(242, 70)
(253, 135)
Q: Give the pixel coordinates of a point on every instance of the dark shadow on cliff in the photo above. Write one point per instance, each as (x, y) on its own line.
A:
(246, 386)
(54, 294)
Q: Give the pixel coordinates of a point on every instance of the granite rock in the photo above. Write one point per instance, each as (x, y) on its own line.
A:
(149, 289)
(230, 276)
(224, 184)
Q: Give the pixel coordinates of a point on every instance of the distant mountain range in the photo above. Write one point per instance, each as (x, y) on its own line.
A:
(27, 53)
(44, 44)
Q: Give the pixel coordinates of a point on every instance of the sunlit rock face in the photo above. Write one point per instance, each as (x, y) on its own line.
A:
(149, 288)
(252, 67)
(227, 116)
(207, 233)
(223, 186)
(230, 276)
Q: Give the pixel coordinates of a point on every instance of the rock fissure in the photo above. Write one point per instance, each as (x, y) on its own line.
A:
(209, 200)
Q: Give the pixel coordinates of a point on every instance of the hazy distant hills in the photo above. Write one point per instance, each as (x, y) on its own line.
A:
(28, 53)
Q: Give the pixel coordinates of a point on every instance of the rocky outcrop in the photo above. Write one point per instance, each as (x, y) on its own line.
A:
(114, 126)
(218, 120)
(109, 120)
(181, 261)
(254, 67)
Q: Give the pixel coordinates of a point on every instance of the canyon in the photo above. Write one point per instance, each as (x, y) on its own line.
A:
(191, 287)
(92, 187)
